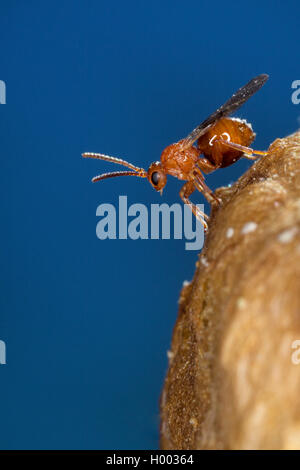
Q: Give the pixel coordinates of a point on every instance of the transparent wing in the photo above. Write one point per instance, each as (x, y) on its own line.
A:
(235, 102)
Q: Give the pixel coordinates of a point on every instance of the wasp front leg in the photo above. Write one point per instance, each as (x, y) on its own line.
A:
(185, 192)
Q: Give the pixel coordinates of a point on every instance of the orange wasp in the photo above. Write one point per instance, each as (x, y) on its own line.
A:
(220, 139)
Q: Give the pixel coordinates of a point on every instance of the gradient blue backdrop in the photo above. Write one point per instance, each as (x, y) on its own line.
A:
(87, 323)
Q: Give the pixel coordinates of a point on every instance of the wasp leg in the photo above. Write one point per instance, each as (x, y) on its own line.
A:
(203, 188)
(249, 153)
(187, 189)
(206, 166)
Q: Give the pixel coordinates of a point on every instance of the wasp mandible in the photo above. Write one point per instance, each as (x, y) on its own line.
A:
(220, 139)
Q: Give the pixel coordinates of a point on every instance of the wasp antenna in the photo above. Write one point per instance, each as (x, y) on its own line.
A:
(104, 176)
(119, 161)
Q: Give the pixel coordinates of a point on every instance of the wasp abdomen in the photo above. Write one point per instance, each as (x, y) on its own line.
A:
(229, 129)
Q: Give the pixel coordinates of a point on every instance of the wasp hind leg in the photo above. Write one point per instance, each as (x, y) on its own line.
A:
(185, 192)
(248, 152)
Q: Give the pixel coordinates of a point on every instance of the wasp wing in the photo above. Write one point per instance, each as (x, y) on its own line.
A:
(235, 102)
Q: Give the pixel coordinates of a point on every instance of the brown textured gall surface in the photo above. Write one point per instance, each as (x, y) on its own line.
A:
(232, 382)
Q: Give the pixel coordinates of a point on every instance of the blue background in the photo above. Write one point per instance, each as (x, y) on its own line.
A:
(87, 323)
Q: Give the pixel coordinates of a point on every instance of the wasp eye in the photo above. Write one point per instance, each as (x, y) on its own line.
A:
(155, 178)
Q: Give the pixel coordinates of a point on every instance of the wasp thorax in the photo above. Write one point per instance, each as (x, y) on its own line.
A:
(157, 176)
(179, 161)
